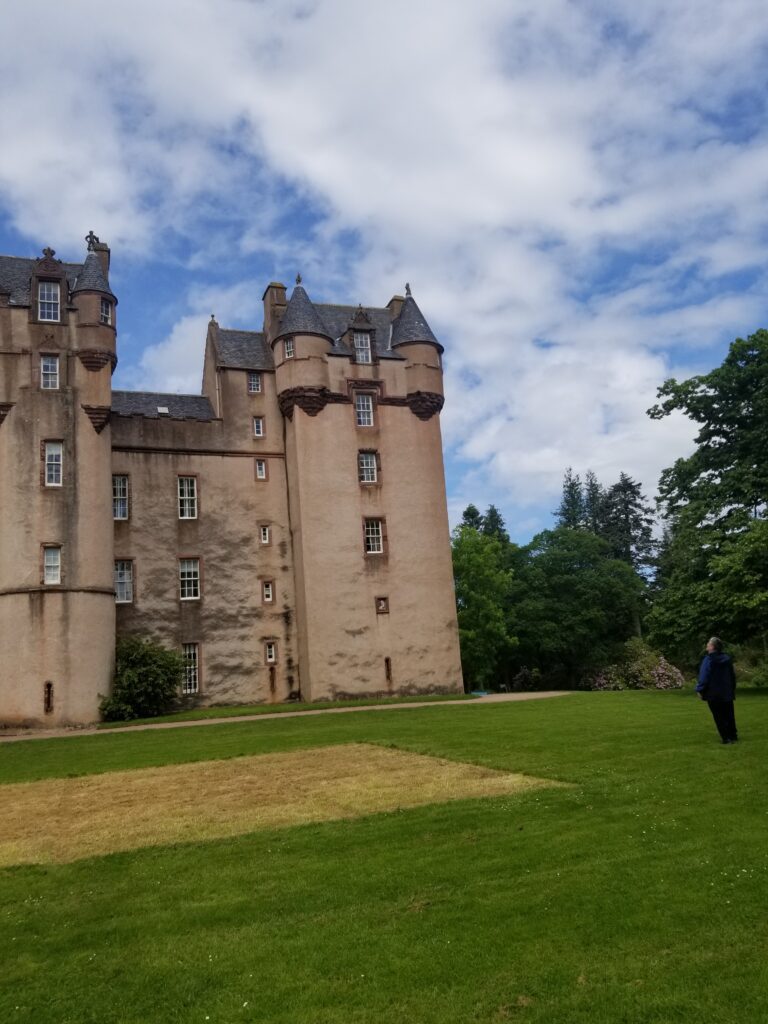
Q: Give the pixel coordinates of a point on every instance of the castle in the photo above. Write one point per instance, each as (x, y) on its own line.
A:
(286, 529)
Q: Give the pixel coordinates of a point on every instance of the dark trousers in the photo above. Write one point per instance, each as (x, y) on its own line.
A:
(725, 719)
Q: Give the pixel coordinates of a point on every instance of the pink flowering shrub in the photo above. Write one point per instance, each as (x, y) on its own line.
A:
(640, 668)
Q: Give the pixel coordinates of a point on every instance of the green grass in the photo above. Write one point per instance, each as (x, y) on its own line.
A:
(638, 895)
(238, 710)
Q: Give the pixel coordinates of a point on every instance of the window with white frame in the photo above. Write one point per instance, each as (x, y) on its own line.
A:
(48, 304)
(190, 681)
(264, 534)
(254, 383)
(105, 313)
(119, 496)
(374, 537)
(268, 591)
(270, 652)
(123, 581)
(187, 497)
(364, 410)
(367, 469)
(258, 426)
(261, 469)
(362, 341)
(189, 579)
(289, 349)
(54, 459)
(51, 565)
(49, 373)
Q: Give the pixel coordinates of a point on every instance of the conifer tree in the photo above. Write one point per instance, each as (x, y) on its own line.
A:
(472, 518)
(494, 526)
(570, 514)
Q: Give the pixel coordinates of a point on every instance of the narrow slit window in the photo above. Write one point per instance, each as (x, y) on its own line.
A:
(364, 410)
(48, 300)
(189, 579)
(264, 534)
(268, 592)
(187, 497)
(49, 373)
(190, 682)
(254, 383)
(270, 652)
(51, 565)
(54, 463)
(119, 496)
(123, 581)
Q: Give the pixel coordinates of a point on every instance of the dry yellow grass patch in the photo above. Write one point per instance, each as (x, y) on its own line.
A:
(62, 820)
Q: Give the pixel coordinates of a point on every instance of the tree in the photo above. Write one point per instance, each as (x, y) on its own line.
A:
(594, 503)
(494, 526)
(573, 605)
(627, 523)
(570, 513)
(147, 679)
(472, 518)
(482, 589)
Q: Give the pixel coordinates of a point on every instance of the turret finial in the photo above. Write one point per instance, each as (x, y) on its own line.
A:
(213, 317)
(49, 252)
(407, 288)
(92, 240)
(298, 279)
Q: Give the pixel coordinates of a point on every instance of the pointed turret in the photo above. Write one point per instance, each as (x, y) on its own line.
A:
(411, 326)
(92, 278)
(300, 316)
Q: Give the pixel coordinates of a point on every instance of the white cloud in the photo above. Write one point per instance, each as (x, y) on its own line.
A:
(576, 174)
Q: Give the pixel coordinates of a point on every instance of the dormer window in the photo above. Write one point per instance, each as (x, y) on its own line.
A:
(105, 316)
(362, 342)
(48, 301)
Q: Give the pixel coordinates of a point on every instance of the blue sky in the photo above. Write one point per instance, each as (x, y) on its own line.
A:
(575, 190)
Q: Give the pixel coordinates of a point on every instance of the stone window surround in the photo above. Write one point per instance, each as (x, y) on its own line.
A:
(191, 558)
(198, 668)
(127, 516)
(51, 546)
(254, 377)
(382, 536)
(131, 580)
(44, 453)
(195, 496)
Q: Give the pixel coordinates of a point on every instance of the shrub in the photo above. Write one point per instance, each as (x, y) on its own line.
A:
(147, 678)
(639, 668)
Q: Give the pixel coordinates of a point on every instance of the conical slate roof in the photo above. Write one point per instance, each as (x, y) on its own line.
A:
(92, 277)
(301, 317)
(411, 325)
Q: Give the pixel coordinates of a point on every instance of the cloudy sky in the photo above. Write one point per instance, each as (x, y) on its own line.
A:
(575, 190)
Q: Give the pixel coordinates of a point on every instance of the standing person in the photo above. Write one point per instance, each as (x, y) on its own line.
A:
(717, 686)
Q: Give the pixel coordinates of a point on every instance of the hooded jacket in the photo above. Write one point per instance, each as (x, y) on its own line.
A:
(717, 679)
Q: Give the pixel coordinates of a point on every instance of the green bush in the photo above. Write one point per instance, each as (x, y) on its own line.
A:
(147, 680)
(639, 668)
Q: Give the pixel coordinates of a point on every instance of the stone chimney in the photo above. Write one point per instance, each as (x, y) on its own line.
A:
(394, 305)
(101, 249)
(274, 307)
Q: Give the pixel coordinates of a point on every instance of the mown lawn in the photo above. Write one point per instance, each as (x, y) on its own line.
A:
(638, 894)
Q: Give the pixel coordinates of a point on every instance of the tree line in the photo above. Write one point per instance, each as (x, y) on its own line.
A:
(618, 582)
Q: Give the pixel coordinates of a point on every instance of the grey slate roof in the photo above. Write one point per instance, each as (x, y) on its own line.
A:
(338, 319)
(243, 350)
(411, 325)
(145, 403)
(301, 317)
(92, 277)
(16, 273)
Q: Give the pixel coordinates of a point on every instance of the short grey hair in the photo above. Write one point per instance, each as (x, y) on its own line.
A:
(716, 642)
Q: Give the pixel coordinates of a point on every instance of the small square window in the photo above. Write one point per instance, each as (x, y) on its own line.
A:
(270, 652)
(105, 313)
(190, 682)
(367, 469)
(382, 606)
(362, 341)
(374, 537)
(189, 579)
(364, 410)
(268, 592)
(254, 383)
(289, 349)
(48, 301)
(264, 534)
(49, 373)
(119, 497)
(187, 497)
(123, 581)
(54, 458)
(258, 426)
(261, 469)
(51, 565)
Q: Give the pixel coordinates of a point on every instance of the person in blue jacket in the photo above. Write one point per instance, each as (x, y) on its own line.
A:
(717, 686)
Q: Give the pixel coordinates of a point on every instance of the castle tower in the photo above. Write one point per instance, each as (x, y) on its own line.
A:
(361, 390)
(57, 605)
